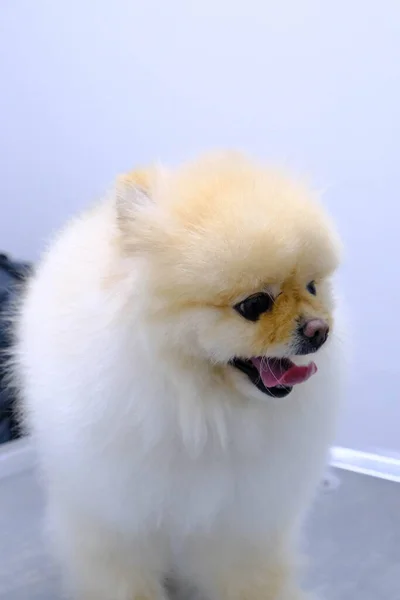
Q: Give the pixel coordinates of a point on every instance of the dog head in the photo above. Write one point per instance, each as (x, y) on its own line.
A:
(237, 262)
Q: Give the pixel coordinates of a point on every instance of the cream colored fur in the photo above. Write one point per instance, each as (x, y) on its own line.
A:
(159, 459)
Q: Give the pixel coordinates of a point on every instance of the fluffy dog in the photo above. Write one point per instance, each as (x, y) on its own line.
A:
(165, 355)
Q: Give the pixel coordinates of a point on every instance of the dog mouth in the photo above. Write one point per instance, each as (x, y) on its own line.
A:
(274, 377)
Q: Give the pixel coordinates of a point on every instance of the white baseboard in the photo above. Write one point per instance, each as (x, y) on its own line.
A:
(376, 465)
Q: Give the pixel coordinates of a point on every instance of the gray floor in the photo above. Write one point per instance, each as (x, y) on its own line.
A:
(353, 539)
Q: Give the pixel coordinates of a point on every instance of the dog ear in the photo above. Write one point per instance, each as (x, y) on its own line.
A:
(134, 192)
(138, 217)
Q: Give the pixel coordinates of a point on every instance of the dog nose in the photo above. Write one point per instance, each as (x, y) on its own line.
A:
(316, 331)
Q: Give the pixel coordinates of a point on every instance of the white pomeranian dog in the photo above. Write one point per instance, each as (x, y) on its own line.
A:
(179, 372)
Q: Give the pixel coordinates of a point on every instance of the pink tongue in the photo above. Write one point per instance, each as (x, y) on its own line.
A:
(274, 371)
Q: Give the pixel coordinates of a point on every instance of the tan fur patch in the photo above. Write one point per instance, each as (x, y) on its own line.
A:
(141, 177)
(269, 581)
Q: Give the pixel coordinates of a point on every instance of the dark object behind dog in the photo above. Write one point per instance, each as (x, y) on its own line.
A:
(12, 275)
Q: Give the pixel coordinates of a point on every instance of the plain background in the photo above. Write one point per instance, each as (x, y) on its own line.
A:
(92, 87)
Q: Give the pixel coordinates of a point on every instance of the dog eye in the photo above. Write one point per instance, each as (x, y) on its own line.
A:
(254, 306)
(312, 288)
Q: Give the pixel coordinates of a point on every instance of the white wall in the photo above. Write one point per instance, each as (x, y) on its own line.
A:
(90, 87)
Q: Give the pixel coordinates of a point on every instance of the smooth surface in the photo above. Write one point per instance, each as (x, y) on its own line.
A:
(353, 537)
(354, 540)
(376, 465)
(90, 89)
